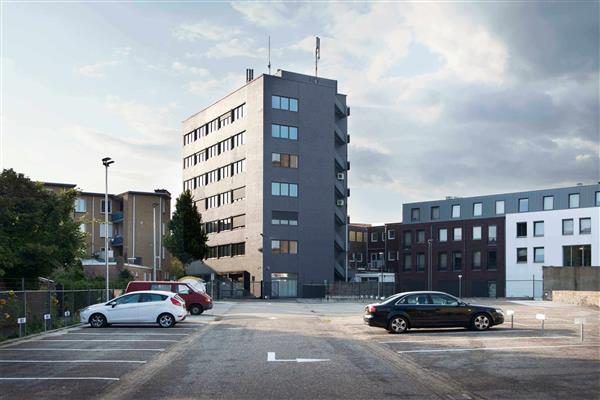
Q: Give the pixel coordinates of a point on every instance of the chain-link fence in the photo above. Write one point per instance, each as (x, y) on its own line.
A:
(31, 311)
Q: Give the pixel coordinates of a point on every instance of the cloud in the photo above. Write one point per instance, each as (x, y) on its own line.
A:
(213, 89)
(98, 70)
(146, 124)
(204, 30)
(268, 15)
(182, 68)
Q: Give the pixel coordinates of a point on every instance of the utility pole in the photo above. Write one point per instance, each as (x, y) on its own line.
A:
(154, 205)
(106, 161)
(430, 266)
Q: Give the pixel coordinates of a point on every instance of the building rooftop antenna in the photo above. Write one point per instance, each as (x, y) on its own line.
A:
(317, 56)
(269, 65)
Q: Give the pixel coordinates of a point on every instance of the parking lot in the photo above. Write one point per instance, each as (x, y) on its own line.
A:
(85, 360)
(312, 350)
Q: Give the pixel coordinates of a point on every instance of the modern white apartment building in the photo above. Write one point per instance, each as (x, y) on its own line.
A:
(559, 227)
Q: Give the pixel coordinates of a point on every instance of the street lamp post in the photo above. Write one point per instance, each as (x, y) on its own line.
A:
(106, 161)
(459, 286)
(430, 267)
(154, 205)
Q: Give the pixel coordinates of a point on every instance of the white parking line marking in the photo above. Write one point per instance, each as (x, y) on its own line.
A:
(62, 378)
(74, 361)
(271, 358)
(486, 338)
(104, 340)
(127, 333)
(496, 348)
(92, 349)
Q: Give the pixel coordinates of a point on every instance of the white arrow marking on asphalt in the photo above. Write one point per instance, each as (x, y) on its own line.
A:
(271, 357)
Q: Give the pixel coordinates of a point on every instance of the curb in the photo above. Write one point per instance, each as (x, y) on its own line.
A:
(10, 342)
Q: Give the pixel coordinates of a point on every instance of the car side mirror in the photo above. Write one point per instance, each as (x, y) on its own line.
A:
(462, 304)
(113, 304)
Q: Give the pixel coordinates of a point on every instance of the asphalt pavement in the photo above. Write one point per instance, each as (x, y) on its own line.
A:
(311, 350)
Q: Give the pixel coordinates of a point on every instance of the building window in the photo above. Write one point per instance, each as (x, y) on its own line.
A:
(574, 200)
(359, 258)
(477, 209)
(284, 247)
(577, 256)
(456, 211)
(103, 230)
(407, 238)
(538, 228)
(391, 256)
(457, 233)
(457, 261)
(80, 205)
(492, 262)
(521, 229)
(499, 207)
(109, 206)
(548, 202)
(585, 226)
(420, 236)
(523, 205)
(352, 236)
(522, 255)
(285, 218)
(415, 214)
(567, 226)
(443, 261)
(407, 262)
(284, 160)
(477, 233)
(391, 234)
(373, 236)
(284, 103)
(598, 199)
(420, 262)
(284, 189)
(538, 254)
(284, 132)
(443, 235)
(476, 261)
(435, 213)
(82, 228)
(492, 234)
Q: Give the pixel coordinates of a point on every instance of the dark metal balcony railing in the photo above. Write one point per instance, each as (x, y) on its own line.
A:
(116, 216)
(117, 241)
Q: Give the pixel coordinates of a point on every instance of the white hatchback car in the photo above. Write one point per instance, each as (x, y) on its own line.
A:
(150, 306)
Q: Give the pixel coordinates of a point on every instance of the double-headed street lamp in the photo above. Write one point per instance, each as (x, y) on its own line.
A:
(106, 161)
(154, 205)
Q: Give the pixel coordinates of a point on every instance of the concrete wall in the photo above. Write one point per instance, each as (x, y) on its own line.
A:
(581, 298)
(571, 278)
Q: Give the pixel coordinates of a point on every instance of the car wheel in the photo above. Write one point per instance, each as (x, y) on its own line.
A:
(398, 325)
(196, 309)
(481, 322)
(98, 321)
(166, 320)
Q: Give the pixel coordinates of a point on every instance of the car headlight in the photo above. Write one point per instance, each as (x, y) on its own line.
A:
(499, 311)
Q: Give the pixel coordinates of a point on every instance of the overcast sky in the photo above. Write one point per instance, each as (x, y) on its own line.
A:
(447, 99)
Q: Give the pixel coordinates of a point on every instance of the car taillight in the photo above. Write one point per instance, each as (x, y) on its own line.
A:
(175, 301)
(371, 309)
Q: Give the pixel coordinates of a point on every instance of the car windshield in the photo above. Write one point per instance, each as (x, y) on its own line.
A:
(392, 297)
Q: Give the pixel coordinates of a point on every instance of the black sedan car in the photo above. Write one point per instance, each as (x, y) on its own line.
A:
(403, 311)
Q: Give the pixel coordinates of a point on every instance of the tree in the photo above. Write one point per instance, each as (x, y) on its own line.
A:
(37, 231)
(186, 239)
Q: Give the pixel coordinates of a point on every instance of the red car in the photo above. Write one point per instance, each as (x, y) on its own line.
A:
(196, 301)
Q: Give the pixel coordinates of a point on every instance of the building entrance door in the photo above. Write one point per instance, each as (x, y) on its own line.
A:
(492, 289)
(284, 284)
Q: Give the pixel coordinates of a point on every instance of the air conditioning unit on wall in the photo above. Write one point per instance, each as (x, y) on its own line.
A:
(340, 176)
(339, 202)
